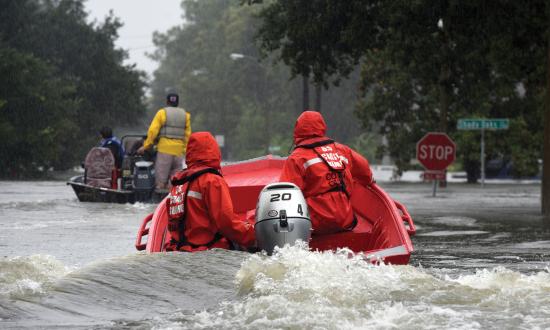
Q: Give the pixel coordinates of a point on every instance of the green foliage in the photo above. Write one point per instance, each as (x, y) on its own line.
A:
(248, 99)
(61, 79)
(315, 36)
(29, 116)
(252, 144)
(425, 64)
(425, 76)
(366, 144)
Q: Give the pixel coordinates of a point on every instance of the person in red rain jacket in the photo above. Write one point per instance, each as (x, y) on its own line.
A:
(200, 210)
(325, 171)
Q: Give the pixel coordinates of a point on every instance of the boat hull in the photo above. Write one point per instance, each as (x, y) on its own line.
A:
(87, 193)
(382, 234)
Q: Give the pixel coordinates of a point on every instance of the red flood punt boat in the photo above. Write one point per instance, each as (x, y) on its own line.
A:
(382, 233)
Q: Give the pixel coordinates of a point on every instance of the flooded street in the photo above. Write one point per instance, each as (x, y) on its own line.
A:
(481, 261)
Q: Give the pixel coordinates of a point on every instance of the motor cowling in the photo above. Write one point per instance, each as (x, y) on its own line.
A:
(144, 180)
(282, 216)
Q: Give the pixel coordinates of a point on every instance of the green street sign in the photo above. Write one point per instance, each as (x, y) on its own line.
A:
(478, 124)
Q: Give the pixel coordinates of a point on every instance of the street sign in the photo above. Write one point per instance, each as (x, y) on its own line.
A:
(435, 151)
(482, 125)
(220, 139)
(478, 124)
(434, 175)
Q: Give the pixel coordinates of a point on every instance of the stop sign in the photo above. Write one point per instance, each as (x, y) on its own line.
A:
(435, 151)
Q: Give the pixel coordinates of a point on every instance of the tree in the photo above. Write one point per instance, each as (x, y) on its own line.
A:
(315, 38)
(63, 80)
(470, 45)
(31, 124)
(248, 99)
(426, 64)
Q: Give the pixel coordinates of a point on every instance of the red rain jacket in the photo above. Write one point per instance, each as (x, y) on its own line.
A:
(319, 172)
(209, 217)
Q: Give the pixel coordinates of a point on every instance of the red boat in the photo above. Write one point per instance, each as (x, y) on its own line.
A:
(382, 233)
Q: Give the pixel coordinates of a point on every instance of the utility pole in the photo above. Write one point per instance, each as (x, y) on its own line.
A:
(305, 98)
(444, 86)
(545, 186)
(318, 93)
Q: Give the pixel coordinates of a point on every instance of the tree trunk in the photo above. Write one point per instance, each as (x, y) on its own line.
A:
(318, 94)
(305, 86)
(545, 187)
(472, 170)
(444, 97)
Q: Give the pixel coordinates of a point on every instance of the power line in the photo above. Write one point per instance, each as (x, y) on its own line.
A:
(141, 47)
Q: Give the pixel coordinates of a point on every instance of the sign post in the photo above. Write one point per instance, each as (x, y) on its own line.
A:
(483, 124)
(435, 151)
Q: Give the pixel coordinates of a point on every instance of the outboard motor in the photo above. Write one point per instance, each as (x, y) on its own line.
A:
(281, 216)
(144, 180)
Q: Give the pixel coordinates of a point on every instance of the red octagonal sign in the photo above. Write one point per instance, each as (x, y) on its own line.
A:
(435, 151)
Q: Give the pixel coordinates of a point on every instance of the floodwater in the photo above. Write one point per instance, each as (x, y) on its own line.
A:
(481, 262)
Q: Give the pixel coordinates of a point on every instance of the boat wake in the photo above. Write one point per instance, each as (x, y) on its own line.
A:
(300, 289)
(29, 276)
(294, 288)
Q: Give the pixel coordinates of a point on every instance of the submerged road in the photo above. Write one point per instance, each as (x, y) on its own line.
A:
(481, 262)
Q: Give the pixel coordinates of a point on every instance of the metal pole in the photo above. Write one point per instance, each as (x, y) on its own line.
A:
(434, 188)
(482, 156)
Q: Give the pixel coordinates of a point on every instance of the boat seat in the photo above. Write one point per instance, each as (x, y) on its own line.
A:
(355, 240)
(98, 166)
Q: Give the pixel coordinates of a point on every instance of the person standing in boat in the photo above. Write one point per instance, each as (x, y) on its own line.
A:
(172, 125)
(112, 143)
(200, 209)
(325, 171)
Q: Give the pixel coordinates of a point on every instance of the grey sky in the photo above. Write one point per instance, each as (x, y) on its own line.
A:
(141, 18)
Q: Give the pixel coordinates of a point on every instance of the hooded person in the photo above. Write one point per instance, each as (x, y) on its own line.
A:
(325, 171)
(200, 210)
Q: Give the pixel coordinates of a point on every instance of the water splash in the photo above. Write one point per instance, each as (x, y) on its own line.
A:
(300, 289)
(29, 276)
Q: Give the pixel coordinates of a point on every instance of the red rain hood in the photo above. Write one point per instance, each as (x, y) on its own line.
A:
(203, 150)
(310, 124)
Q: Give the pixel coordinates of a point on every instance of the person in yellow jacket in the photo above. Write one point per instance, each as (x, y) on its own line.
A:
(172, 125)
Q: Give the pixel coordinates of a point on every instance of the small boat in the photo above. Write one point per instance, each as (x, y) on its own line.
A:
(102, 183)
(87, 193)
(382, 233)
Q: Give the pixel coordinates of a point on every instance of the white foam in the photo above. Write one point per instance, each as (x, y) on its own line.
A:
(32, 275)
(501, 279)
(300, 289)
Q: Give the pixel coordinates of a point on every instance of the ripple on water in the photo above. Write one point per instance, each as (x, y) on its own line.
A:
(532, 245)
(454, 221)
(453, 233)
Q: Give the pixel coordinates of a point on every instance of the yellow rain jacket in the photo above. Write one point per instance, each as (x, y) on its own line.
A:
(167, 145)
